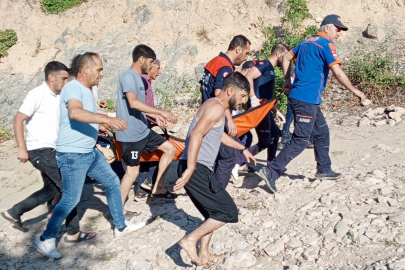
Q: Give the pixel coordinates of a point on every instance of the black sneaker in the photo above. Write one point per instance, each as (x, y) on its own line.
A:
(147, 184)
(328, 176)
(270, 183)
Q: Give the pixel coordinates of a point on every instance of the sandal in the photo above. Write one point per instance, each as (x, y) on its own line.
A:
(167, 195)
(17, 224)
(247, 169)
(82, 237)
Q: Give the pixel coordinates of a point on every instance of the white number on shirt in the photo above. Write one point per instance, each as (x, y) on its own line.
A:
(134, 154)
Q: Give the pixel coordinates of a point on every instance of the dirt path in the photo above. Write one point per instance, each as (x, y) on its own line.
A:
(307, 225)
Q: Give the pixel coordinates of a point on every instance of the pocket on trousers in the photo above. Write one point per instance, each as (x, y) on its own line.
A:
(215, 185)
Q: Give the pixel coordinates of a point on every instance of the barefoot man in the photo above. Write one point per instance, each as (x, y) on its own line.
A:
(195, 168)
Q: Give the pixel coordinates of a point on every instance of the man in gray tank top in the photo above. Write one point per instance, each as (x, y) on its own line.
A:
(195, 169)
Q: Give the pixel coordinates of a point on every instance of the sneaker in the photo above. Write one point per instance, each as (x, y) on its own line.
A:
(270, 183)
(328, 176)
(130, 228)
(235, 172)
(310, 145)
(47, 247)
(147, 184)
(280, 145)
(140, 195)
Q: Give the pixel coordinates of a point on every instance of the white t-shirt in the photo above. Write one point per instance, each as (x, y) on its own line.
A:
(41, 105)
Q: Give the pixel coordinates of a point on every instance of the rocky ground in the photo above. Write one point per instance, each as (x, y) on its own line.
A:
(357, 222)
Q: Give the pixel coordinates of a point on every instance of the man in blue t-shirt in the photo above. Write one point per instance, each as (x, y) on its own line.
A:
(77, 156)
(262, 81)
(315, 56)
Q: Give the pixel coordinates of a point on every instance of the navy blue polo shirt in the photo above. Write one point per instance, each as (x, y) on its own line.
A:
(315, 56)
(214, 73)
(264, 84)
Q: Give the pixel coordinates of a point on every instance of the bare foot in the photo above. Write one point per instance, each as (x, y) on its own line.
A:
(208, 257)
(8, 215)
(191, 250)
(75, 237)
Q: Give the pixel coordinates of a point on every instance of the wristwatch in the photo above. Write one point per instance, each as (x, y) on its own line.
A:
(241, 150)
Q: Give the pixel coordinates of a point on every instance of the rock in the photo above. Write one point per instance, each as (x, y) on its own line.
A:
(366, 102)
(392, 202)
(375, 32)
(385, 191)
(379, 173)
(318, 19)
(138, 264)
(309, 240)
(380, 123)
(294, 243)
(391, 108)
(308, 206)
(311, 253)
(372, 180)
(399, 217)
(239, 259)
(341, 228)
(378, 210)
(363, 239)
(395, 115)
(391, 122)
(274, 248)
(400, 110)
(325, 185)
(364, 122)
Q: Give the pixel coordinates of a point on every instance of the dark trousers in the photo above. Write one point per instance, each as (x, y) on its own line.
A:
(268, 134)
(246, 140)
(307, 118)
(218, 204)
(44, 160)
(147, 170)
(224, 163)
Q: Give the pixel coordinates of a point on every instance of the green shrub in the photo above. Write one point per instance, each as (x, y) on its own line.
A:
(292, 33)
(56, 6)
(8, 38)
(111, 107)
(374, 74)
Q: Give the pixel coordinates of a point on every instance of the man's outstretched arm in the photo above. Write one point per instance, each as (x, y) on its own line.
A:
(344, 80)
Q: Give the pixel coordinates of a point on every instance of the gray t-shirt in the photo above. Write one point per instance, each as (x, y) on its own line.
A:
(130, 81)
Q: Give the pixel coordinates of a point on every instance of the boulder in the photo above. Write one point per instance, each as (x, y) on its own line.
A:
(375, 32)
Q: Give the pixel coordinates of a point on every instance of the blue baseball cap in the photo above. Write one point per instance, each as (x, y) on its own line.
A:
(335, 20)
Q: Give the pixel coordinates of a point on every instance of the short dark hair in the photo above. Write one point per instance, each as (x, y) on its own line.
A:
(53, 68)
(142, 50)
(238, 40)
(238, 80)
(86, 59)
(279, 47)
(74, 65)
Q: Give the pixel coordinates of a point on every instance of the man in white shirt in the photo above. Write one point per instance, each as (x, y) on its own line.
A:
(41, 112)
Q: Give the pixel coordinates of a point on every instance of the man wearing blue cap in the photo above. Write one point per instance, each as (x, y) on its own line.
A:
(315, 56)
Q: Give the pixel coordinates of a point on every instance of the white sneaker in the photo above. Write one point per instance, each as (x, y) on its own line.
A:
(235, 172)
(47, 247)
(130, 228)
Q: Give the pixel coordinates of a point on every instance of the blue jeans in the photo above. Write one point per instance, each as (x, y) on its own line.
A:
(147, 170)
(74, 167)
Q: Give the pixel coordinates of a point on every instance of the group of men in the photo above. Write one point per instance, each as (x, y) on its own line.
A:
(65, 149)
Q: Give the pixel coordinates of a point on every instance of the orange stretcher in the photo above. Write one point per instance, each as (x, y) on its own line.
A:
(244, 122)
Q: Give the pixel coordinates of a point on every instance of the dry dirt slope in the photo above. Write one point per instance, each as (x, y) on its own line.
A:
(171, 27)
(306, 226)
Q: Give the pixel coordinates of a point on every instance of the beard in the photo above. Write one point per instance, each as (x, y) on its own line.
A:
(144, 68)
(232, 104)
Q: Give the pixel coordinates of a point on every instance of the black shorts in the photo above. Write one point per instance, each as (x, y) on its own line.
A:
(131, 151)
(217, 205)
